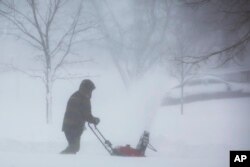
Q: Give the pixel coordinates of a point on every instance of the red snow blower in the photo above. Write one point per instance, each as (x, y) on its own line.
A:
(126, 150)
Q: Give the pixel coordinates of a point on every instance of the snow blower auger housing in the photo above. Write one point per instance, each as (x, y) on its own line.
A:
(126, 150)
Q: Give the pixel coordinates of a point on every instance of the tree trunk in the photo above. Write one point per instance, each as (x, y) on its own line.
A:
(182, 88)
(182, 99)
(48, 97)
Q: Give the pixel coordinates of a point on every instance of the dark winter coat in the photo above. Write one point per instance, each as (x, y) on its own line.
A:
(78, 111)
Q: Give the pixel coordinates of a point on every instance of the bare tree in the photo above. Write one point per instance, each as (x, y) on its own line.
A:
(177, 53)
(206, 30)
(182, 71)
(38, 23)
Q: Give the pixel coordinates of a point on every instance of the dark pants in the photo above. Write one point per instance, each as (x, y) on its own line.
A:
(73, 137)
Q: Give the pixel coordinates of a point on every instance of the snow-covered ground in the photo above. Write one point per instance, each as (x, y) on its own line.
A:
(202, 136)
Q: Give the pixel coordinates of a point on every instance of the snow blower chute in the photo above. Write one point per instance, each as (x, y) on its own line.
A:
(126, 150)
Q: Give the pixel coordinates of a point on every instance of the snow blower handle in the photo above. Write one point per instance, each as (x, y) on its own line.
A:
(106, 143)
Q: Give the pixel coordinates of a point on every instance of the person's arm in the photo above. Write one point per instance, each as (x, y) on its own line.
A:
(87, 114)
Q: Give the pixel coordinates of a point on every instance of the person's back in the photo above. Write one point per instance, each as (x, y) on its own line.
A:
(73, 115)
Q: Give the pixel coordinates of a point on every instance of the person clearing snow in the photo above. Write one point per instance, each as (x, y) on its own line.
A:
(78, 112)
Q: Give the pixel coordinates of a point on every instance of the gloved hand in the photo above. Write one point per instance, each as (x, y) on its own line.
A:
(96, 121)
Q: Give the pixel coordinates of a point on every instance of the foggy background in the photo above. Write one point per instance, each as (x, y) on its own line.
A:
(179, 69)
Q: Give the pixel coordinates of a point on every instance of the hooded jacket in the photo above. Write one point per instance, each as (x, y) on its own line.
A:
(78, 110)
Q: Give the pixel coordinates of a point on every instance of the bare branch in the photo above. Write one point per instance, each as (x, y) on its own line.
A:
(72, 29)
(28, 73)
(33, 6)
(21, 27)
(38, 47)
(51, 16)
(232, 47)
(13, 8)
(71, 32)
(77, 62)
